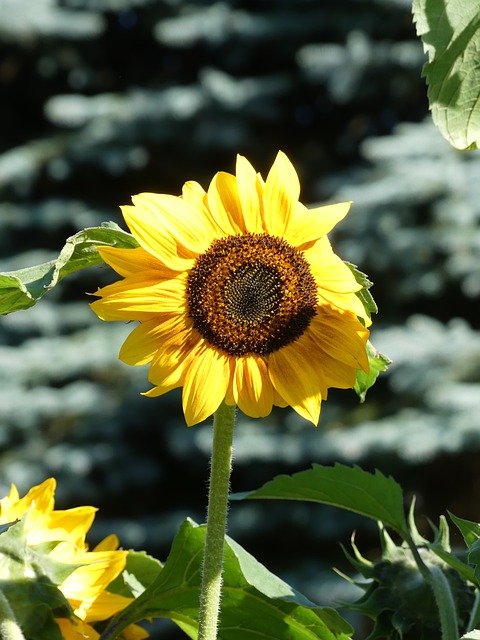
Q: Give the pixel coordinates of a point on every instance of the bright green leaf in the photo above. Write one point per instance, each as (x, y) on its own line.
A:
(373, 495)
(450, 32)
(378, 363)
(22, 289)
(255, 603)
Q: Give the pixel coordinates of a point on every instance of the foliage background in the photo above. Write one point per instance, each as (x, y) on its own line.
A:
(106, 98)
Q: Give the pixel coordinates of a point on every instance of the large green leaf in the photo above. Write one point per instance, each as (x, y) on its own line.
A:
(450, 32)
(371, 495)
(22, 289)
(255, 603)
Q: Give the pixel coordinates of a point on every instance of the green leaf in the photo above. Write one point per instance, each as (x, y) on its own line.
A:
(450, 32)
(255, 603)
(469, 530)
(378, 363)
(22, 289)
(373, 495)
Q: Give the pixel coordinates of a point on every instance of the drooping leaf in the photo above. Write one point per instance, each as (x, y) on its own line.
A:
(23, 288)
(373, 495)
(255, 603)
(450, 32)
(378, 363)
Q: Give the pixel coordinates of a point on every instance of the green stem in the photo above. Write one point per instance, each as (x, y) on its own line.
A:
(9, 628)
(445, 603)
(442, 592)
(220, 468)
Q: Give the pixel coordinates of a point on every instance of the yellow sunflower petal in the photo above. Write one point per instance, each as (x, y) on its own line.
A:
(155, 238)
(98, 569)
(110, 543)
(131, 261)
(70, 524)
(102, 607)
(340, 375)
(134, 632)
(40, 498)
(186, 223)
(144, 341)
(252, 389)
(193, 193)
(7, 503)
(205, 386)
(298, 378)
(171, 363)
(342, 337)
(196, 196)
(345, 302)
(224, 203)
(280, 196)
(278, 401)
(136, 298)
(329, 270)
(76, 630)
(308, 225)
(248, 195)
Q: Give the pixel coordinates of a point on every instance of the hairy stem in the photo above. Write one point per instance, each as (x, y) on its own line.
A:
(220, 468)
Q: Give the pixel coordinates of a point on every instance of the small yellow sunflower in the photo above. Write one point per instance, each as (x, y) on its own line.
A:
(86, 587)
(239, 295)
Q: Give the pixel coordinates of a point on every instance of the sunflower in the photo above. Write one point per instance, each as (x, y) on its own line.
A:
(86, 587)
(239, 295)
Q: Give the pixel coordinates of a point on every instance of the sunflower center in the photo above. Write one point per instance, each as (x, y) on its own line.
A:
(251, 294)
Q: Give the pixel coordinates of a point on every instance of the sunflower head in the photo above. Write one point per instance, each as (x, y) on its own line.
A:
(238, 295)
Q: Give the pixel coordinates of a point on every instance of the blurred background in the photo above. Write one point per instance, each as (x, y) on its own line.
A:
(102, 99)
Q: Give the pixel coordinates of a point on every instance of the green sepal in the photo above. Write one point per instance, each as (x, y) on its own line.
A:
(255, 603)
(23, 288)
(378, 363)
(364, 294)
